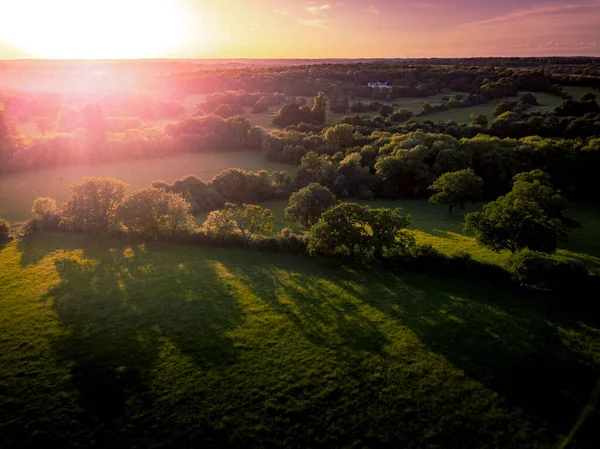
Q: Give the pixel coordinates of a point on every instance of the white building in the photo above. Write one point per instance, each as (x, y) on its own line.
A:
(380, 85)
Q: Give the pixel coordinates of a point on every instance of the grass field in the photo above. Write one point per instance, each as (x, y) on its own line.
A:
(432, 225)
(104, 344)
(17, 191)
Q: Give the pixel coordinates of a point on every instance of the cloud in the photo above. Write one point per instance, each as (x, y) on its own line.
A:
(281, 12)
(372, 10)
(430, 5)
(315, 23)
(318, 9)
(570, 14)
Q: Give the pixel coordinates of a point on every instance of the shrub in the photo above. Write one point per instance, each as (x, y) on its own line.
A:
(541, 271)
(46, 214)
(4, 230)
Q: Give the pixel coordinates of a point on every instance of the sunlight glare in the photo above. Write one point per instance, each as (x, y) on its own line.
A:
(108, 29)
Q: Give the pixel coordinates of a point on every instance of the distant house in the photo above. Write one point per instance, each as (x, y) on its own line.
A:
(380, 85)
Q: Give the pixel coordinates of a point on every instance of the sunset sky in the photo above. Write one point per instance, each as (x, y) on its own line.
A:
(296, 29)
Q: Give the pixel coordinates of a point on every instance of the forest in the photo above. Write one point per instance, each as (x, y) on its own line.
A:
(291, 243)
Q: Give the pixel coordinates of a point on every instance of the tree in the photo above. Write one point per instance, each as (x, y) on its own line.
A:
(349, 227)
(92, 205)
(4, 230)
(235, 185)
(401, 115)
(479, 119)
(449, 160)
(532, 215)
(250, 219)
(244, 219)
(308, 204)
(456, 188)
(588, 96)
(223, 111)
(386, 229)
(385, 110)
(341, 136)
(45, 210)
(261, 105)
(339, 100)
(529, 98)
(340, 227)
(43, 125)
(156, 213)
(319, 109)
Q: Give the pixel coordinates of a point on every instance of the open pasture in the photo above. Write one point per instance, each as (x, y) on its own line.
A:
(18, 190)
(168, 345)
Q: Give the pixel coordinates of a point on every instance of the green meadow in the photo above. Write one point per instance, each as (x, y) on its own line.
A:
(105, 343)
(18, 190)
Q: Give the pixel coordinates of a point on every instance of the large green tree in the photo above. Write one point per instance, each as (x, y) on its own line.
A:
(354, 228)
(455, 189)
(156, 213)
(308, 204)
(532, 215)
(92, 204)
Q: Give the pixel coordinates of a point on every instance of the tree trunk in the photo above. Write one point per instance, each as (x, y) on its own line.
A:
(450, 207)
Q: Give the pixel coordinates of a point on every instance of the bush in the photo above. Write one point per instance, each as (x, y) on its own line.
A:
(4, 230)
(541, 271)
(45, 213)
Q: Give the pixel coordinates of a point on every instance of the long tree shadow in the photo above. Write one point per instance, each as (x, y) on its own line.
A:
(121, 305)
(515, 344)
(527, 350)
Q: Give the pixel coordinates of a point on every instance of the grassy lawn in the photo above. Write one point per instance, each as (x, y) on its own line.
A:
(432, 224)
(106, 344)
(17, 191)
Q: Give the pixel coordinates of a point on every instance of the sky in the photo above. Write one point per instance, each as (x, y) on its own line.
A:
(107, 29)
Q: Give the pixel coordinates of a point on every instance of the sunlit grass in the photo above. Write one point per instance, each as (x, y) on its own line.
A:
(18, 190)
(104, 341)
(432, 225)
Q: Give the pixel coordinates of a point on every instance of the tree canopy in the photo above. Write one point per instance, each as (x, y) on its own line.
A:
(532, 215)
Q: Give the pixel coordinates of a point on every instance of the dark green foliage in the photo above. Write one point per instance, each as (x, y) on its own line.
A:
(456, 188)
(195, 191)
(341, 136)
(340, 100)
(350, 230)
(529, 99)
(479, 119)
(234, 185)
(92, 205)
(293, 114)
(4, 230)
(386, 110)
(319, 109)
(401, 115)
(532, 215)
(538, 270)
(308, 204)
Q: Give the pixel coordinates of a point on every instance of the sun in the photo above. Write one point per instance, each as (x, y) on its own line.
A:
(99, 29)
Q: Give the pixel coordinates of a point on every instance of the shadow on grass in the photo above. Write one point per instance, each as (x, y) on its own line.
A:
(121, 305)
(498, 336)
